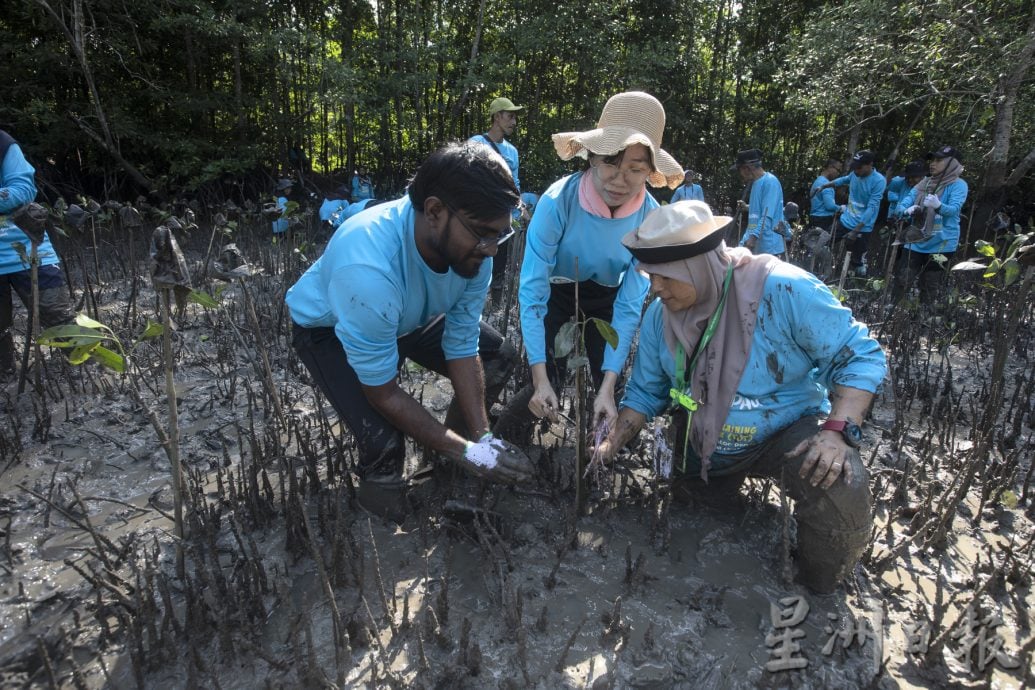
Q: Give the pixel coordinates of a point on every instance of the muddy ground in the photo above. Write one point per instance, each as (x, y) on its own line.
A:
(287, 583)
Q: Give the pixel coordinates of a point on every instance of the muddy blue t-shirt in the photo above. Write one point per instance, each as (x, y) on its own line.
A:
(805, 343)
(373, 287)
(864, 197)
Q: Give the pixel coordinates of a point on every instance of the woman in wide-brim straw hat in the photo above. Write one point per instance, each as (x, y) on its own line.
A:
(744, 352)
(574, 241)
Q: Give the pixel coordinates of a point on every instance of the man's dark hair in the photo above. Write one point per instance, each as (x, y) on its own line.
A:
(467, 176)
(832, 163)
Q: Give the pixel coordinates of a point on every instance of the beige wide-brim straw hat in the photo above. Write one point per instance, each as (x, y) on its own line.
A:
(676, 231)
(633, 117)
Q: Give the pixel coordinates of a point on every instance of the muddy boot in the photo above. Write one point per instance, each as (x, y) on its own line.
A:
(388, 496)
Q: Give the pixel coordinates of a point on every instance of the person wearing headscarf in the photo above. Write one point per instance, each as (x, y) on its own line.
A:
(573, 249)
(934, 206)
(763, 372)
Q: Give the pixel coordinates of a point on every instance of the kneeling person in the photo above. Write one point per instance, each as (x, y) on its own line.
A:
(409, 281)
(750, 348)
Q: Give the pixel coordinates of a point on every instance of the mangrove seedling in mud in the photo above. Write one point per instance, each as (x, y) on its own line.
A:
(570, 343)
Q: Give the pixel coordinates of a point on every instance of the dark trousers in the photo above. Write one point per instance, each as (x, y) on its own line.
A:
(595, 300)
(54, 305)
(380, 445)
(921, 268)
(834, 524)
(821, 222)
(857, 247)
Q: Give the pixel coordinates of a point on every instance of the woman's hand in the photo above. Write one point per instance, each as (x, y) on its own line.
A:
(544, 401)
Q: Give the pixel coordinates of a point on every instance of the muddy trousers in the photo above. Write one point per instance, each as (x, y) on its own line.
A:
(380, 445)
(858, 247)
(834, 524)
(918, 267)
(55, 308)
(595, 300)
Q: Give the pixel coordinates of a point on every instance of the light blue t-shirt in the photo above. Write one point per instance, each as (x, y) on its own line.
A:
(946, 231)
(17, 188)
(562, 233)
(509, 153)
(331, 208)
(280, 225)
(373, 287)
(362, 188)
(823, 203)
(864, 196)
(805, 343)
(688, 192)
(765, 211)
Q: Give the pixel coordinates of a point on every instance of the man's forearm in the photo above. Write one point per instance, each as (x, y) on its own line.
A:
(628, 425)
(850, 403)
(411, 418)
(468, 381)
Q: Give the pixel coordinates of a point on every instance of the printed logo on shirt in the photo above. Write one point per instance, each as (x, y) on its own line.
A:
(741, 402)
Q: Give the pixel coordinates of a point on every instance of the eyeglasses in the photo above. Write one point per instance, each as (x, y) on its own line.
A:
(635, 175)
(484, 243)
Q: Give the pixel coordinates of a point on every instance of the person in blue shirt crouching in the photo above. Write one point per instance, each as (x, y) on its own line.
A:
(762, 372)
(408, 280)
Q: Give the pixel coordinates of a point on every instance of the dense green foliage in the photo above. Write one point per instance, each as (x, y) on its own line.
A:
(173, 95)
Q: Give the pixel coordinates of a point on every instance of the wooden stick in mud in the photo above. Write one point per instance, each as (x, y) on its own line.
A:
(173, 447)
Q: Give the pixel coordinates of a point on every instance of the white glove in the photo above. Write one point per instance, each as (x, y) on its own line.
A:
(932, 201)
(843, 208)
(496, 459)
(912, 209)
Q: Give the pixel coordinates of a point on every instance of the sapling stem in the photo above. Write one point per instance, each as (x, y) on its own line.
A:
(173, 448)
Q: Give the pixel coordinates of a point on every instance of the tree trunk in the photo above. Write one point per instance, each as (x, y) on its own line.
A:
(458, 106)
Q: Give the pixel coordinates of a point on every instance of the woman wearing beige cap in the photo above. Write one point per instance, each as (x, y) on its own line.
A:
(746, 354)
(574, 240)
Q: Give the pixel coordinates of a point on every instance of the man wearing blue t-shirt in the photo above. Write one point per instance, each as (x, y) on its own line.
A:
(764, 207)
(504, 121)
(865, 191)
(17, 188)
(689, 190)
(408, 279)
(823, 207)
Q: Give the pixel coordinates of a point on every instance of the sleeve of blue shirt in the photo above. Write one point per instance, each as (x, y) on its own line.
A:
(906, 201)
(840, 347)
(463, 321)
(679, 195)
(876, 189)
(953, 198)
(367, 308)
(841, 181)
(829, 203)
(697, 193)
(649, 384)
(625, 318)
(541, 242)
(355, 188)
(18, 178)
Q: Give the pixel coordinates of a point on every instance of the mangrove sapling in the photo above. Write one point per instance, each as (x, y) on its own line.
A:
(571, 338)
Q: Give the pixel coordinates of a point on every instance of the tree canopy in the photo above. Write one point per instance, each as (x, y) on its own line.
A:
(172, 96)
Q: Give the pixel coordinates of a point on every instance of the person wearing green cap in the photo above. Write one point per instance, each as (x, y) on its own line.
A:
(503, 114)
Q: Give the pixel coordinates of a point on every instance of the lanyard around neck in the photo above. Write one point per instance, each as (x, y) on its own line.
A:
(681, 394)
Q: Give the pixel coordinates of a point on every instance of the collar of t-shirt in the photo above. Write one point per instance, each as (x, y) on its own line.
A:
(591, 201)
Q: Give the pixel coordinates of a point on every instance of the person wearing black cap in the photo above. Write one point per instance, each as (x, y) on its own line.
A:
(933, 205)
(823, 208)
(865, 191)
(776, 392)
(901, 184)
(765, 205)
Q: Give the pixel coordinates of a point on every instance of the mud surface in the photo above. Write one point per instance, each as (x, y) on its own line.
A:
(288, 583)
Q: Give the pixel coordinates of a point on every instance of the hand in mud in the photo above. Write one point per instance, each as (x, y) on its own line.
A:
(604, 410)
(495, 459)
(828, 453)
(544, 402)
